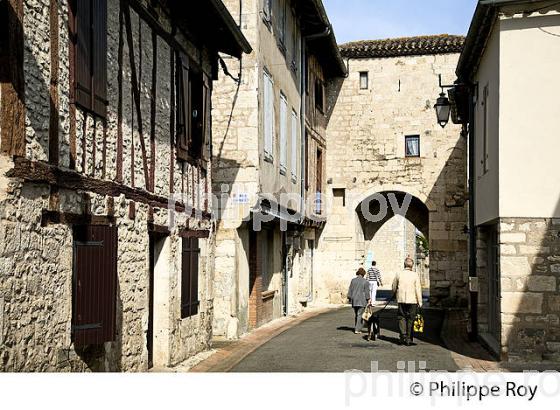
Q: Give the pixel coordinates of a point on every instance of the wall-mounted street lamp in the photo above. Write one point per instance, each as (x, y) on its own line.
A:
(443, 109)
(442, 106)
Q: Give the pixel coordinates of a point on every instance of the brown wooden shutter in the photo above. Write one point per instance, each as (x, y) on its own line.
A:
(206, 122)
(183, 107)
(189, 277)
(94, 285)
(99, 58)
(91, 55)
(83, 54)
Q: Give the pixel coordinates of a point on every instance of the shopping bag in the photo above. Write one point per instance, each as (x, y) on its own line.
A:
(419, 323)
(368, 311)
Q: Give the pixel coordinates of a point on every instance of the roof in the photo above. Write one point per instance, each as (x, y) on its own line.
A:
(485, 16)
(211, 22)
(319, 35)
(405, 46)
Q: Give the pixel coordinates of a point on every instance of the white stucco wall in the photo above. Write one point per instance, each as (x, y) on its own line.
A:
(529, 116)
(487, 182)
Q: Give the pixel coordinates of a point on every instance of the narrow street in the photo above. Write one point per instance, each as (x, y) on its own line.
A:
(327, 343)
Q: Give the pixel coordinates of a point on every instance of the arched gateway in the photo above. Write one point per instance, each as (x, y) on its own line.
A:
(384, 145)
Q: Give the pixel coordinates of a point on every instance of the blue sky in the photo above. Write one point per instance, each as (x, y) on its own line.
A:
(377, 19)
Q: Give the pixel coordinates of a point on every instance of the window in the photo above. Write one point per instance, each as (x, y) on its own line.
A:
(306, 159)
(94, 292)
(339, 196)
(320, 95)
(193, 108)
(90, 45)
(294, 145)
(283, 133)
(412, 145)
(295, 43)
(267, 258)
(268, 91)
(319, 182)
(364, 80)
(267, 9)
(282, 24)
(484, 160)
(189, 277)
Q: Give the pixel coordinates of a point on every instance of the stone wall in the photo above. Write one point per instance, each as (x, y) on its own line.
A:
(366, 155)
(529, 272)
(36, 255)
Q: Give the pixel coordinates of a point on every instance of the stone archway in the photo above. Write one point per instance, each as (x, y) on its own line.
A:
(392, 223)
(345, 241)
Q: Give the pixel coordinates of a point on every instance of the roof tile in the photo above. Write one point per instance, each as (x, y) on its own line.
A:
(405, 46)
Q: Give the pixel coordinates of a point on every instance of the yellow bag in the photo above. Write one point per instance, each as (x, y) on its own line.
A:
(419, 323)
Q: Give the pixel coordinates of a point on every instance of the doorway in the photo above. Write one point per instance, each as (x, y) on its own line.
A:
(158, 300)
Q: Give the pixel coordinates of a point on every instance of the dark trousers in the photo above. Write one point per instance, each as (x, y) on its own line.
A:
(359, 322)
(406, 315)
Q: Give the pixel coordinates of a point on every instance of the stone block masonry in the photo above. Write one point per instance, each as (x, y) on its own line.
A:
(366, 155)
(77, 167)
(530, 309)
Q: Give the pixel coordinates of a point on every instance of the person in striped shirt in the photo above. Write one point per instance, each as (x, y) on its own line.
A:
(374, 279)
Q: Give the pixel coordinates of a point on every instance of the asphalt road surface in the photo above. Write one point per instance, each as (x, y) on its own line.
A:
(327, 343)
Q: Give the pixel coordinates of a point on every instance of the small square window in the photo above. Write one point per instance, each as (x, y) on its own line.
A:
(364, 80)
(339, 195)
(412, 145)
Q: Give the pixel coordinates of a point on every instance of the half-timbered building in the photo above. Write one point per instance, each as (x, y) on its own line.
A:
(106, 232)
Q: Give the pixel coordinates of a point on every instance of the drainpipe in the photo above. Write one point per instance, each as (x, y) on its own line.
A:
(473, 335)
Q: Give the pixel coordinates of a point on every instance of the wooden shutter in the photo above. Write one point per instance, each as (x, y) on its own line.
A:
(306, 159)
(183, 108)
(268, 95)
(189, 277)
(206, 122)
(99, 58)
(94, 285)
(294, 145)
(283, 133)
(83, 54)
(319, 181)
(91, 55)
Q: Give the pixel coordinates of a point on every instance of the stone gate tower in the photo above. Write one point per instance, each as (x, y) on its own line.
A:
(384, 143)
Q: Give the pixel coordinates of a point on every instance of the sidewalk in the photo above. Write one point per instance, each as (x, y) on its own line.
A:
(228, 353)
(470, 356)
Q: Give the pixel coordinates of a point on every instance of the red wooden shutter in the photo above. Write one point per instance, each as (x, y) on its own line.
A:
(94, 285)
(99, 58)
(183, 107)
(83, 54)
(206, 122)
(189, 277)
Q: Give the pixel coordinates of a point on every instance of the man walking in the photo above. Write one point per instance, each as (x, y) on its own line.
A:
(358, 295)
(409, 297)
(374, 279)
